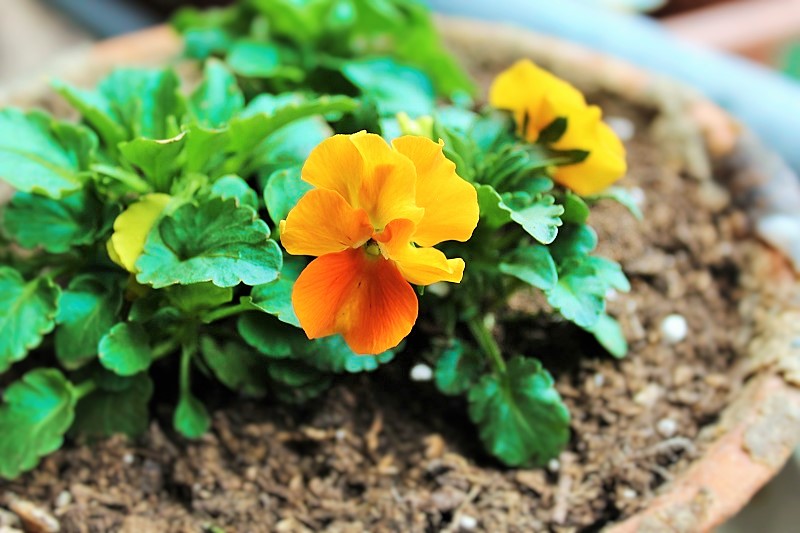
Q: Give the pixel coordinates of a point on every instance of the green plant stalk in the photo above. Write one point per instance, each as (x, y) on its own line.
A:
(189, 347)
(84, 388)
(488, 344)
(225, 312)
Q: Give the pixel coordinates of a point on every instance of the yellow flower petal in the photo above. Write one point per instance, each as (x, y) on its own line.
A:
(420, 266)
(322, 222)
(523, 89)
(132, 227)
(450, 202)
(368, 174)
(606, 162)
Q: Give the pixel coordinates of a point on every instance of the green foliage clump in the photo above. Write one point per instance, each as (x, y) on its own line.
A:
(97, 298)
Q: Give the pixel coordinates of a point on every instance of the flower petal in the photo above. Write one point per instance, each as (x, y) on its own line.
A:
(336, 165)
(132, 227)
(606, 162)
(365, 299)
(388, 186)
(450, 202)
(323, 222)
(523, 89)
(420, 266)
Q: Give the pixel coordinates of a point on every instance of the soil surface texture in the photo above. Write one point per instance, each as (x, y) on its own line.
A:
(381, 453)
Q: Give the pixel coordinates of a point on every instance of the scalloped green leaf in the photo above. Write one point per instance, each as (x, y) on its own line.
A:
(125, 349)
(395, 88)
(275, 298)
(87, 311)
(218, 98)
(43, 156)
(458, 368)
(237, 367)
(103, 413)
(532, 264)
(579, 294)
(36, 413)
(57, 225)
(232, 186)
(521, 417)
(27, 313)
(270, 336)
(215, 241)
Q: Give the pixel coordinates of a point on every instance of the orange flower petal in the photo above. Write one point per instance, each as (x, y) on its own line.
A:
(450, 202)
(388, 186)
(420, 266)
(337, 165)
(363, 298)
(322, 222)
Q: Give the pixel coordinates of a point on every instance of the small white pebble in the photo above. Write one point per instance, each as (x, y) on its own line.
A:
(674, 329)
(421, 372)
(340, 435)
(623, 127)
(667, 427)
(629, 494)
(63, 499)
(599, 380)
(611, 295)
(553, 465)
(638, 196)
(128, 458)
(468, 522)
(440, 289)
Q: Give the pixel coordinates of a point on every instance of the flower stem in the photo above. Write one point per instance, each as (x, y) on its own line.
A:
(488, 344)
(225, 312)
(85, 388)
(189, 347)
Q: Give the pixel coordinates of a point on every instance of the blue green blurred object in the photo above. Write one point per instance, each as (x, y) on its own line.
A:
(790, 62)
(642, 6)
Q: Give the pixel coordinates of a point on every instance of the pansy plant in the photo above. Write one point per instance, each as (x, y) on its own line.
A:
(291, 218)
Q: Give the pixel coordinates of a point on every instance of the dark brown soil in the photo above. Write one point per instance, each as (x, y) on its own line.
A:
(381, 453)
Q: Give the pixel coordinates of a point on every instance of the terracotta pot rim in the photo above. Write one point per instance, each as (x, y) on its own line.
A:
(755, 433)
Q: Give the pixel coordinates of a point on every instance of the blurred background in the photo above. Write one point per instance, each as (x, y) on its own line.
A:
(745, 54)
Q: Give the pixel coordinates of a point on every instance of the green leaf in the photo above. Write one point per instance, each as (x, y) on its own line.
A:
(297, 382)
(248, 132)
(78, 219)
(125, 349)
(521, 416)
(275, 298)
(609, 334)
(104, 413)
(331, 354)
(218, 98)
(610, 273)
(254, 59)
(96, 110)
(538, 217)
(492, 214)
(159, 160)
(532, 264)
(395, 88)
(38, 410)
(622, 196)
(146, 102)
(575, 209)
(235, 187)
(42, 156)
(198, 297)
(87, 311)
(573, 241)
(216, 241)
(458, 368)
(269, 336)
(579, 294)
(27, 314)
(284, 189)
(553, 131)
(239, 368)
(191, 418)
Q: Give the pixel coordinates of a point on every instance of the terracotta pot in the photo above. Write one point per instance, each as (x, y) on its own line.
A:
(756, 29)
(759, 429)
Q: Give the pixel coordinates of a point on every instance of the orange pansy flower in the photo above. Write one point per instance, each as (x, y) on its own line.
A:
(536, 98)
(372, 219)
